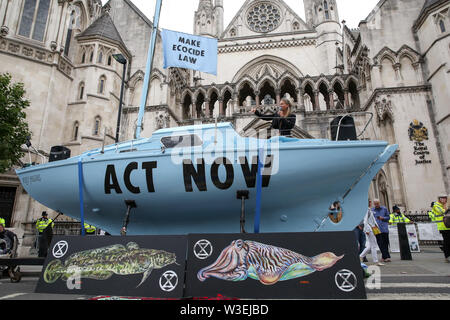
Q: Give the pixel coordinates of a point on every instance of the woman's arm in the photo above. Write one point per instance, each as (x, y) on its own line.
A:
(267, 117)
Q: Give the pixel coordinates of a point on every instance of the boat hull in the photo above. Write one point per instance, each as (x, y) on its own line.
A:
(198, 196)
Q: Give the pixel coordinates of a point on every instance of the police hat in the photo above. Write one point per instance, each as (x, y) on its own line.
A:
(442, 195)
(44, 214)
(395, 208)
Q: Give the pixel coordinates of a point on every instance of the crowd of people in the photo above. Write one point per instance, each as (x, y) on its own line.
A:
(373, 232)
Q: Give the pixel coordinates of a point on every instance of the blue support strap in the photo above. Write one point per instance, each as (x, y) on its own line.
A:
(80, 186)
(259, 182)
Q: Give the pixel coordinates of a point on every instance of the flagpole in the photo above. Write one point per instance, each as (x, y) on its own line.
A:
(149, 67)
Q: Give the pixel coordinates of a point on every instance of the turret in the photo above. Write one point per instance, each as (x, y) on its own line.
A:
(323, 16)
(208, 19)
(219, 13)
(320, 11)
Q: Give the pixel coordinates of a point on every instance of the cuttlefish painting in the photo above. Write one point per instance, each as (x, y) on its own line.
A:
(103, 263)
(268, 264)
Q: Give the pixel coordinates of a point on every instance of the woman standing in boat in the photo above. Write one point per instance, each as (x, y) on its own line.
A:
(283, 120)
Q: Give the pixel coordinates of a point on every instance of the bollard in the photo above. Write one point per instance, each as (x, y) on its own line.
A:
(405, 251)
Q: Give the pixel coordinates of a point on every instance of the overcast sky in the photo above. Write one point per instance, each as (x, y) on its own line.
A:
(178, 15)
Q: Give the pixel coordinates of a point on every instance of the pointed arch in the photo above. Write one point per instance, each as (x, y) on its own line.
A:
(258, 65)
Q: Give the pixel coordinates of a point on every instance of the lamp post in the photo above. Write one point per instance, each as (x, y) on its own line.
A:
(120, 59)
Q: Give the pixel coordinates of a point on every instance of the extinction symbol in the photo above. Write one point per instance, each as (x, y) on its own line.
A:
(203, 249)
(346, 280)
(168, 281)
(60, 249)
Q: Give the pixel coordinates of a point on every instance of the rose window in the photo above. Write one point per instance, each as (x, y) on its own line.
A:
(264, 17)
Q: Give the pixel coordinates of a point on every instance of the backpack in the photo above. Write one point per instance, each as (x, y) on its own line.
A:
(447, 219)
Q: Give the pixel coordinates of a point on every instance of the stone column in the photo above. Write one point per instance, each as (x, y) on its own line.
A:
(300, 100)
(331, 98)
(316, 106)
(346, 98)
(221, 110)
(207, 111)
(4, 26)
(194, 109)
(235, 103)
(258, 102)
(278, 96)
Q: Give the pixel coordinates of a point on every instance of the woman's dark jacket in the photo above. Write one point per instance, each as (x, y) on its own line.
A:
(285, 125)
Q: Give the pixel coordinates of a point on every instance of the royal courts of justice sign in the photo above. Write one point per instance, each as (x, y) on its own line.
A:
(187, 51)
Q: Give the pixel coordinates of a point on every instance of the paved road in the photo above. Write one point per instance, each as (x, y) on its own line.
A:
(426, 277)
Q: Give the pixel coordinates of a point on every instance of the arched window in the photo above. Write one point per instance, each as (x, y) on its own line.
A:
(100, 57)
(33, 22)
(75, 22)
(442, 26)
(91, 57)
(76, 127)
(102, 85)
(81, 91)
(69, 33)
(97, 125)
(327, 12)
(83, 58)
(109, 60)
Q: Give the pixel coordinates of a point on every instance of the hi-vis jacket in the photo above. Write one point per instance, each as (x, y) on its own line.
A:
(437, 216)
(89, 229)
(42, 223)
(396, 219)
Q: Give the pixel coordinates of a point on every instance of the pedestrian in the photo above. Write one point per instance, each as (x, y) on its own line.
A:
(382, 218)
(397, 217)
(371, 229)
(361, 236)
(6, 240)
(44, 227)
(283, 120)
(437, 216)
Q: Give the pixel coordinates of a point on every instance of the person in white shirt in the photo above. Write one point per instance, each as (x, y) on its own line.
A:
(369, 224)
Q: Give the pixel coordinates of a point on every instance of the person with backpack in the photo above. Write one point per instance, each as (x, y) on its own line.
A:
(437, 215)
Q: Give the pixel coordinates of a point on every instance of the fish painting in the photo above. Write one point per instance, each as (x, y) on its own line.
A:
(268, 264)
(103, 263)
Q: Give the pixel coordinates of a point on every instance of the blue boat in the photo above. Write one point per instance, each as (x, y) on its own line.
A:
(184, 180)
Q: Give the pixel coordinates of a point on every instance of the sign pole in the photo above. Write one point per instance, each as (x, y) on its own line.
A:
(149, 67)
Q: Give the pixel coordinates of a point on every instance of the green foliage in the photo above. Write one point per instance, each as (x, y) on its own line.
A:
(13, 127)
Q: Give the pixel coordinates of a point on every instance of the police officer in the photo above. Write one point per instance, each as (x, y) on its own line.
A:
(437, 216)
(3, 222)
(90, 230)
(44, 233)
(397, 217)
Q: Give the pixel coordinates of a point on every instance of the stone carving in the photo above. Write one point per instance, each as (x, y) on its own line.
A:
(384, 109)
(162, 120)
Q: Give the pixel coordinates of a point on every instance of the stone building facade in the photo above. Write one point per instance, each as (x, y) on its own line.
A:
(393, 67)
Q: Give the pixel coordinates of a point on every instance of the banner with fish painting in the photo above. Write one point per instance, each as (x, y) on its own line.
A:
(141, 266)
(275, 266)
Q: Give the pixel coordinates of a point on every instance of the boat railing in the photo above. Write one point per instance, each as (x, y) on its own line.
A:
(32, 150)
